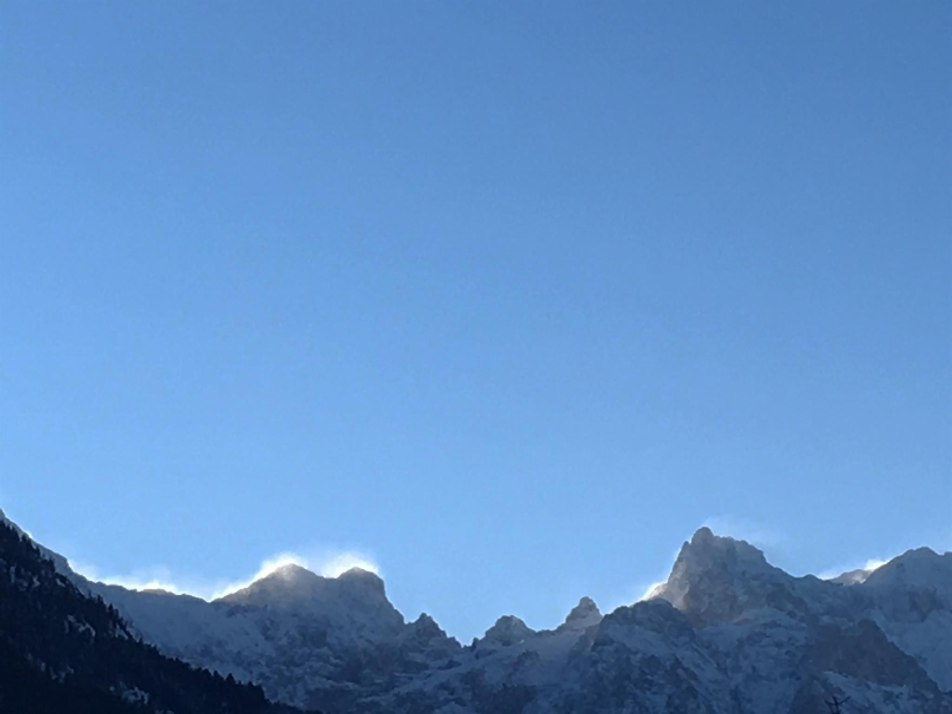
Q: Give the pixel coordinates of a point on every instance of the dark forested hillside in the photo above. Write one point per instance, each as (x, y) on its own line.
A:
(62, 651)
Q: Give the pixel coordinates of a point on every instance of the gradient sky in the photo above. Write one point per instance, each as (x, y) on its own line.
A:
(507, 298)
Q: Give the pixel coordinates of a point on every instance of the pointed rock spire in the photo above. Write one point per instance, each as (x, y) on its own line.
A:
(712, 575)
(583, 615)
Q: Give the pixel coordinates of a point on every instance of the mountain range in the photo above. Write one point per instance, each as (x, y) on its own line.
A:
(727, 633)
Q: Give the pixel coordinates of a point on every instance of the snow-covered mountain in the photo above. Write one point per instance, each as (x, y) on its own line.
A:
(726, 634)
(319, 642)
(62, 651)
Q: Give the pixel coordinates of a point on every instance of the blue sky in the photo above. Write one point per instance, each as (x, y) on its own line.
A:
(507, 298)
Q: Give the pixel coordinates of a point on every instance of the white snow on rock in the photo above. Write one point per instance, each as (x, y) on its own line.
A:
(727, 633)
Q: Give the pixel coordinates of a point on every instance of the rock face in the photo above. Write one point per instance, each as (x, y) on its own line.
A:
(716, 579)
(726, 634)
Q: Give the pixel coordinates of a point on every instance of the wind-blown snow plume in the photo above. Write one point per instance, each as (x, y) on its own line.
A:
(328, 563)
(151, 578)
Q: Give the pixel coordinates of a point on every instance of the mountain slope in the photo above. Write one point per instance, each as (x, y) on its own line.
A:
(728, 633)
(310, 641)
(65, 652)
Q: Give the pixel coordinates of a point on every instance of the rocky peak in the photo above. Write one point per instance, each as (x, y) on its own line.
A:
(362, 583)
(291, 587)
(284, 586)
(583, 615)
(426, 626)
(913, 586)
(508, 630)
(715, 577)
(425, 634)
(706, 549)
(921, 568)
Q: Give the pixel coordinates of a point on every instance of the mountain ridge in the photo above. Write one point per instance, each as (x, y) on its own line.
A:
(64, 651)
(726, 633)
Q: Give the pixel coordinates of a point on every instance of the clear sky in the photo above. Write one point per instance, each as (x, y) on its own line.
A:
(508, 298)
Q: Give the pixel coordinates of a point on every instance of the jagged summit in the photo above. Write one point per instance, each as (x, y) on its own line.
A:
(716, 577)
(293, 581)
(426, 630)
(508, 630)
(724, 550)
(425, 622)
(707, 554)
(586, 608)
(293, 586)
(583, 615)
